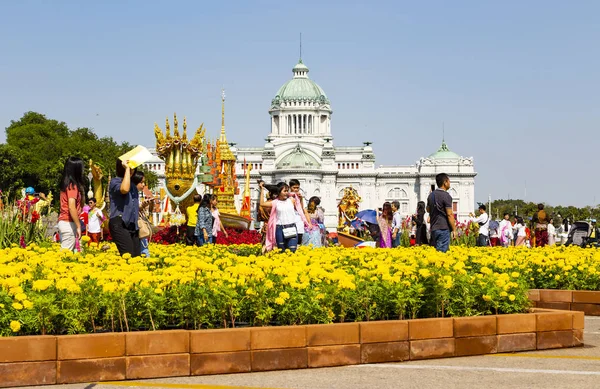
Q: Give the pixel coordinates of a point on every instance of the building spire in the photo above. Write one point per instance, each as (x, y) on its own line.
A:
(443, 133)
(300, 48)
(223, 139)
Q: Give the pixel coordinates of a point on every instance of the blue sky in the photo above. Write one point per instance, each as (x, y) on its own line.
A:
(515, 82)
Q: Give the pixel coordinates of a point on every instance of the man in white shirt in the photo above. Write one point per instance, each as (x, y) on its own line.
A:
(484, 226)
(396, 224)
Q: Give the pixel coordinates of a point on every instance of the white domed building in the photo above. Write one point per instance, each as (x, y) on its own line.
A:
(301, 146)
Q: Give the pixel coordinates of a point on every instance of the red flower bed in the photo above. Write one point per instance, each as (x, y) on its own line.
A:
(169, 236)
(239, 237)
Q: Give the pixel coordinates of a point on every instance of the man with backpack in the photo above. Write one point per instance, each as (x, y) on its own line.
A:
(439, 206)
(484, 226)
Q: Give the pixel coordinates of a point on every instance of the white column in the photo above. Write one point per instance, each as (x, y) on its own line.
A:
(304, 123)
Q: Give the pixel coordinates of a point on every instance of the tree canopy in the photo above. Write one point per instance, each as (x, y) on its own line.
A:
(558, 212)
(37, 147)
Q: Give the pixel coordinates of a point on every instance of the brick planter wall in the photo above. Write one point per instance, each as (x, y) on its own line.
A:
(39, 360)
(574, 300)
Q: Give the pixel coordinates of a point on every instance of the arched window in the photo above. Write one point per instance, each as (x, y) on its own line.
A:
(397, 193)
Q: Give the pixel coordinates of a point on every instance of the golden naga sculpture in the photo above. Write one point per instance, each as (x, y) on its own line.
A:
(181, 158)
(348, 207)
(98, 190)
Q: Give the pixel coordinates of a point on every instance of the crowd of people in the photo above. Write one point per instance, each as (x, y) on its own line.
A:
(287, 221)
(127, 222)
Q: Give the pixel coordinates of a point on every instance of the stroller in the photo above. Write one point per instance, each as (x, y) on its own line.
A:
(579, 233)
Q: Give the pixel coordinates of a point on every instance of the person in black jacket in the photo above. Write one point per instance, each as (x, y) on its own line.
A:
(419, 219)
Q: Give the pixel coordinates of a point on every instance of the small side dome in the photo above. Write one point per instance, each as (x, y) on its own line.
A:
(298, 159)
(444, 153)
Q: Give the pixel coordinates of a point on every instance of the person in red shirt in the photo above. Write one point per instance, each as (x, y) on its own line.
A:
(71, 199)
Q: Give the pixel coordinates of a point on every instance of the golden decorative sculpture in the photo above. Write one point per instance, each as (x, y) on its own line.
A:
(246, 201)
(348, 207)
(228, 186)
(98, 191)
(43, 204)
(181, 158)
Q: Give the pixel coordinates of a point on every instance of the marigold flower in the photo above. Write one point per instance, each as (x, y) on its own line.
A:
(15, 326)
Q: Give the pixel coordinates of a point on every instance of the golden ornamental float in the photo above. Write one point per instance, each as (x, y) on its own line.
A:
(347, 210)
(189, 163)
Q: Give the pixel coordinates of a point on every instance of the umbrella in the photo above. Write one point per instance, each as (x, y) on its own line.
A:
(368, 215)
(357, 225)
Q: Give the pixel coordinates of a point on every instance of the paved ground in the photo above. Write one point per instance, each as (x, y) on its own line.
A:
(568, 368)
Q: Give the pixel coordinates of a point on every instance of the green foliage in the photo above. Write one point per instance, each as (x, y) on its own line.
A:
(11, 173)
(37, 147)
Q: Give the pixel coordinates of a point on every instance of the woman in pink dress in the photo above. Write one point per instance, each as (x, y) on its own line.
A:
(384, 220)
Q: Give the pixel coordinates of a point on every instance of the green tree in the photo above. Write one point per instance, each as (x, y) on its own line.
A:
(42, 149)
(44, 144)
(10, 173)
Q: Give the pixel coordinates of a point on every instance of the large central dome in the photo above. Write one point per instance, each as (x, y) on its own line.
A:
(300, 88)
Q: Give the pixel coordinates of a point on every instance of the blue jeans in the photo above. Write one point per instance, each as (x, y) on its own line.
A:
(144, 246)
(483, 240)
(201, 240)
(441, 240)
(284, 243)
(396, 242)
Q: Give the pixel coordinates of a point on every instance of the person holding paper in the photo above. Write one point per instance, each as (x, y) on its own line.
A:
(124, 210)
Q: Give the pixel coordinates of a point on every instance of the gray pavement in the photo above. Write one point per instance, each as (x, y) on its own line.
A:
(566, 368)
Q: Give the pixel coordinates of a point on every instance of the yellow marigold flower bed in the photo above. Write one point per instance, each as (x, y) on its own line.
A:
(44, 290)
